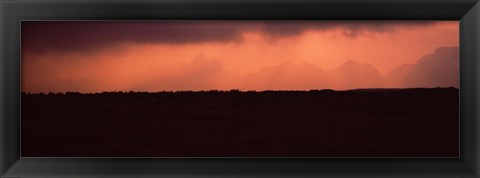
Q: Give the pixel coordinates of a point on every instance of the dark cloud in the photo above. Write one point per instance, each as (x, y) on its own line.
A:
(352, 28)
(42, 36)
(80, 36)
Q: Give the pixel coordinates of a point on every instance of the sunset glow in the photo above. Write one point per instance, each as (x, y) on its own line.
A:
(247, 55)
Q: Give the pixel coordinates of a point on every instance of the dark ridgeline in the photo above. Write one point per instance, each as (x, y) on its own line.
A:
(320, 123)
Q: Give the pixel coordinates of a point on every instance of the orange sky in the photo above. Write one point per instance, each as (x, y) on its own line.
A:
(60, 57)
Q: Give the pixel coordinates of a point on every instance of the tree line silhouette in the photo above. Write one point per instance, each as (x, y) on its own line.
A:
(353, 123)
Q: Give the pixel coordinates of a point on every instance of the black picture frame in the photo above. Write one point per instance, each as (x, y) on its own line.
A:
(12, 12)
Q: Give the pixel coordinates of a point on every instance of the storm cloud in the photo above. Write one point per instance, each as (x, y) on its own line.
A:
(86, 36)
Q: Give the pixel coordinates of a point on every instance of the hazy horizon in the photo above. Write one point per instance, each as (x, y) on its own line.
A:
(234, 90)
(153, 56)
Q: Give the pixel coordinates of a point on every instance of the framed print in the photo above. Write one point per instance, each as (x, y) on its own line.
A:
(239, 88)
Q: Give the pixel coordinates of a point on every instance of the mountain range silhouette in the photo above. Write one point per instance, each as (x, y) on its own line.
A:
(438, 69)
(441, 68)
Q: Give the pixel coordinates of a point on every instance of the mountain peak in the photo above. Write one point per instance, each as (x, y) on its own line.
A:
(439, 68)
(446, 48)
(447, 55)
(351, 64)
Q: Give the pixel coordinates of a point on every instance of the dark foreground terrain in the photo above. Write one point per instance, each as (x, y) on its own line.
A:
(326, 123)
